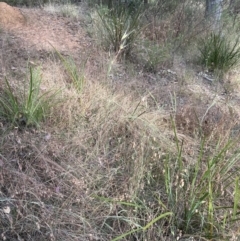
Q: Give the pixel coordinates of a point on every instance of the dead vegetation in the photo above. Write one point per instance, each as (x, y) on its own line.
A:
(132, 155)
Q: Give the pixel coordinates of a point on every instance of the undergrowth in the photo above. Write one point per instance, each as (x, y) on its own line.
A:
(120, 160)
(66, 9)
(121, 172)
(26, 106)
(118, 28)
(217, 53)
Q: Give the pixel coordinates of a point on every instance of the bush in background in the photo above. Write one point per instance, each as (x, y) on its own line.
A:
(118, 27)
(66, 9)
(217, 53)
(152, 55)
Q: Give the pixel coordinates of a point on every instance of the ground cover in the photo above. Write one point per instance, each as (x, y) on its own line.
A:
(125, 147)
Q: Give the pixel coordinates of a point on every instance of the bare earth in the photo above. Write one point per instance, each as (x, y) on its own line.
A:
(10, 16)
(39, 29)
(32, 35)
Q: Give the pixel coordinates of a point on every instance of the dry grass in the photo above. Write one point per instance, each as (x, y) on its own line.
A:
(129, 147)
(55, 174)
(65, 10)
(99, 148)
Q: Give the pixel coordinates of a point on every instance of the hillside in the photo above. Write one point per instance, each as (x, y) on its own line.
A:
(96, 145)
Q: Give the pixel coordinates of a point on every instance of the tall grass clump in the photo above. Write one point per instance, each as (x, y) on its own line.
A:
(76, 76)
(158, 194)
(119, 27)
(26, 106)
(217, 53)
(195, 192)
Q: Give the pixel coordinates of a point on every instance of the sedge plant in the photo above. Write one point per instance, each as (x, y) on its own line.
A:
(217, 53)
(119, 27)
(27, 106)
(194, 192)
(77, 77)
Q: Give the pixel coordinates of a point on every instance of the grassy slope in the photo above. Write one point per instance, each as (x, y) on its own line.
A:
(128, 148)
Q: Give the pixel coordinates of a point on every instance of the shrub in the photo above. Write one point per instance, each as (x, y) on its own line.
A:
(119, 27)
(217, 53)
(153, 55)
(29, 106)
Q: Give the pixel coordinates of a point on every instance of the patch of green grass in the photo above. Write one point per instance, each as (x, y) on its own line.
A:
(118, 28)
(217, 53)
(28, 106)
(77, 77)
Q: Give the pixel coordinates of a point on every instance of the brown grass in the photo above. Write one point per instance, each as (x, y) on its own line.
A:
(96, 168)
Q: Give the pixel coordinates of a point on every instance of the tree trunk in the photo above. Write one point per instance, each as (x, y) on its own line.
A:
(214, 13)
(110, 4)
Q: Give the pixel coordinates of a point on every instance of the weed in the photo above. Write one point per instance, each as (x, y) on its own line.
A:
(77, 78)
(218, 54)
(28, 106)
(153, 55)
(118, 28)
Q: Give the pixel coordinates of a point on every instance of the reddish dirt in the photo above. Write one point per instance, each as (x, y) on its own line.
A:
(40, 29)
(32, 34)
(10, 16)
(44, 29)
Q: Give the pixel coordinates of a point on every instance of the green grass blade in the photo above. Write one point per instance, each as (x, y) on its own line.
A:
(236, 198)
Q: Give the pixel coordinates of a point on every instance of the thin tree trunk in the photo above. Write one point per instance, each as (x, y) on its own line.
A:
(214, 13)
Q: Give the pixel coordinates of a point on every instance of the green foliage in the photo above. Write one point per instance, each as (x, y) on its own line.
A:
(218, 54)
(193, 191)
(77, 77)
(119, 27)
(153, 55)
(27, 107)
(149, 225)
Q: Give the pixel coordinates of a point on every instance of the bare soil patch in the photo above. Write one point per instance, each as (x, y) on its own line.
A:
(32, 34)
(11, 16)
(41, 30)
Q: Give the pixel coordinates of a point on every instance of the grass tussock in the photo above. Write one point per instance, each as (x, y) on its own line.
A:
(118, 28)
(28, 106)
(219, 54)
